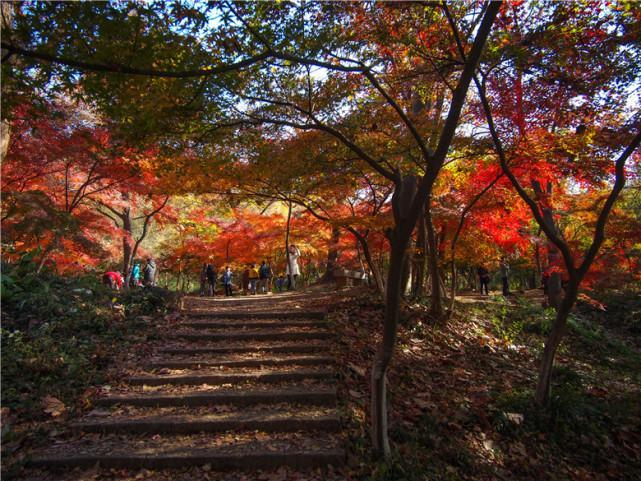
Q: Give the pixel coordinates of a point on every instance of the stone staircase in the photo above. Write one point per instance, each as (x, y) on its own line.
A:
(230, 390)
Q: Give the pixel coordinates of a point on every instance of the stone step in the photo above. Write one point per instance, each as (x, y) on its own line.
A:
(318, 397)
(256, 314)
(228, 378)
(252, 324)
(265, 335)
(189, 424)
(245, 451)
(247, 348)
(270, 361)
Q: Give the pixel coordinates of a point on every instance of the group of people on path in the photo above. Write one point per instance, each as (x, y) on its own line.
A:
(484, 278)
(115, 280)
(255, 279)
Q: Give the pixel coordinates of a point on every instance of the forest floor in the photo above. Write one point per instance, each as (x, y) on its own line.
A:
(460, 394)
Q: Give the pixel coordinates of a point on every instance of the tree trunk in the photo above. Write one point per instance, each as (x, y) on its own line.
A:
(126, 246)
(386, 350)
(543, 388)
(418, 289)
(399, 237)
(554, 287)
(45, 255)
(373, 266)
(436, 308)
(289, 220)
(406, 273)
(5, 126)
(332, 256)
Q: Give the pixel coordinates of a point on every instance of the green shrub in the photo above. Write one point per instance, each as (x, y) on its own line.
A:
(148, 301)
(573, 414)
(511, 321)
(59, 332)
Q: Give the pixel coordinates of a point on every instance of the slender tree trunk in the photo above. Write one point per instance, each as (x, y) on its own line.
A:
(126, 246)
(436, 308)
(5, 126)
(386, 350)
(373, 266)
(554, 287)
(420, 259)
(45, 255)
(359, 255)
(287, 230)
(399, 240)
(406, 273)
(543, 388)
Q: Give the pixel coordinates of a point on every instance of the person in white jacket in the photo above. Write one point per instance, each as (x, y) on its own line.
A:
(292, 270)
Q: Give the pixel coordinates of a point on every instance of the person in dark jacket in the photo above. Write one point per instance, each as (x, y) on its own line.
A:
(149, 273)
(484, 279)
(505, 273)
(211, 279)
(226, 278)
(265, 275)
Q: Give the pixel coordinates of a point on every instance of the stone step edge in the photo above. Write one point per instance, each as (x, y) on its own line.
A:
(276, 323)
(183, 425)
(256, 314)
(216, 461)
(301, 361)
(241, 398)
(216, 379)
(267, 335)
(292, 348)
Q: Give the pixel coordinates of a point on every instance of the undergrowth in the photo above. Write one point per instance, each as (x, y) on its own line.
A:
(59, 333)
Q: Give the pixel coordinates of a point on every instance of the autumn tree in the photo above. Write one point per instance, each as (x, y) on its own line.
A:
(554, 139)
(293, 100)
(57, 166)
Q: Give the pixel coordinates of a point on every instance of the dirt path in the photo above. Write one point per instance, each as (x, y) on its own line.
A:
(244, 383)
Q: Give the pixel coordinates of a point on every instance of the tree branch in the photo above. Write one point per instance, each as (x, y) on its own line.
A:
(123, 69)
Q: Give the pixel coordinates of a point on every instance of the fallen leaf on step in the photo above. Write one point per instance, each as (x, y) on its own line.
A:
(53, 406)
(358, 370)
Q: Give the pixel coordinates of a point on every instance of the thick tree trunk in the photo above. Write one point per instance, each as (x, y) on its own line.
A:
(543, 388)
(332, 256)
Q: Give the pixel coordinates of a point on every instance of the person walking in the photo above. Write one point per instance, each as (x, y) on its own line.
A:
(135, 276)
(505, 272)
(270, 276)
(280, 282)
(203, 280)
(484, 279)
(265, 274)
(149, 273)
(226, 278)
(292, 270)
(211, 279)
(254, 277)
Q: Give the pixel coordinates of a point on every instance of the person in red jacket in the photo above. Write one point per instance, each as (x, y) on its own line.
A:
(113, 280)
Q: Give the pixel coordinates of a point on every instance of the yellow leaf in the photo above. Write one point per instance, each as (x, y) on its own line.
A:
(53, 406)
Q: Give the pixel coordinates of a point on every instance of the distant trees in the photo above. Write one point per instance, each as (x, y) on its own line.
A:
(486, 126)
